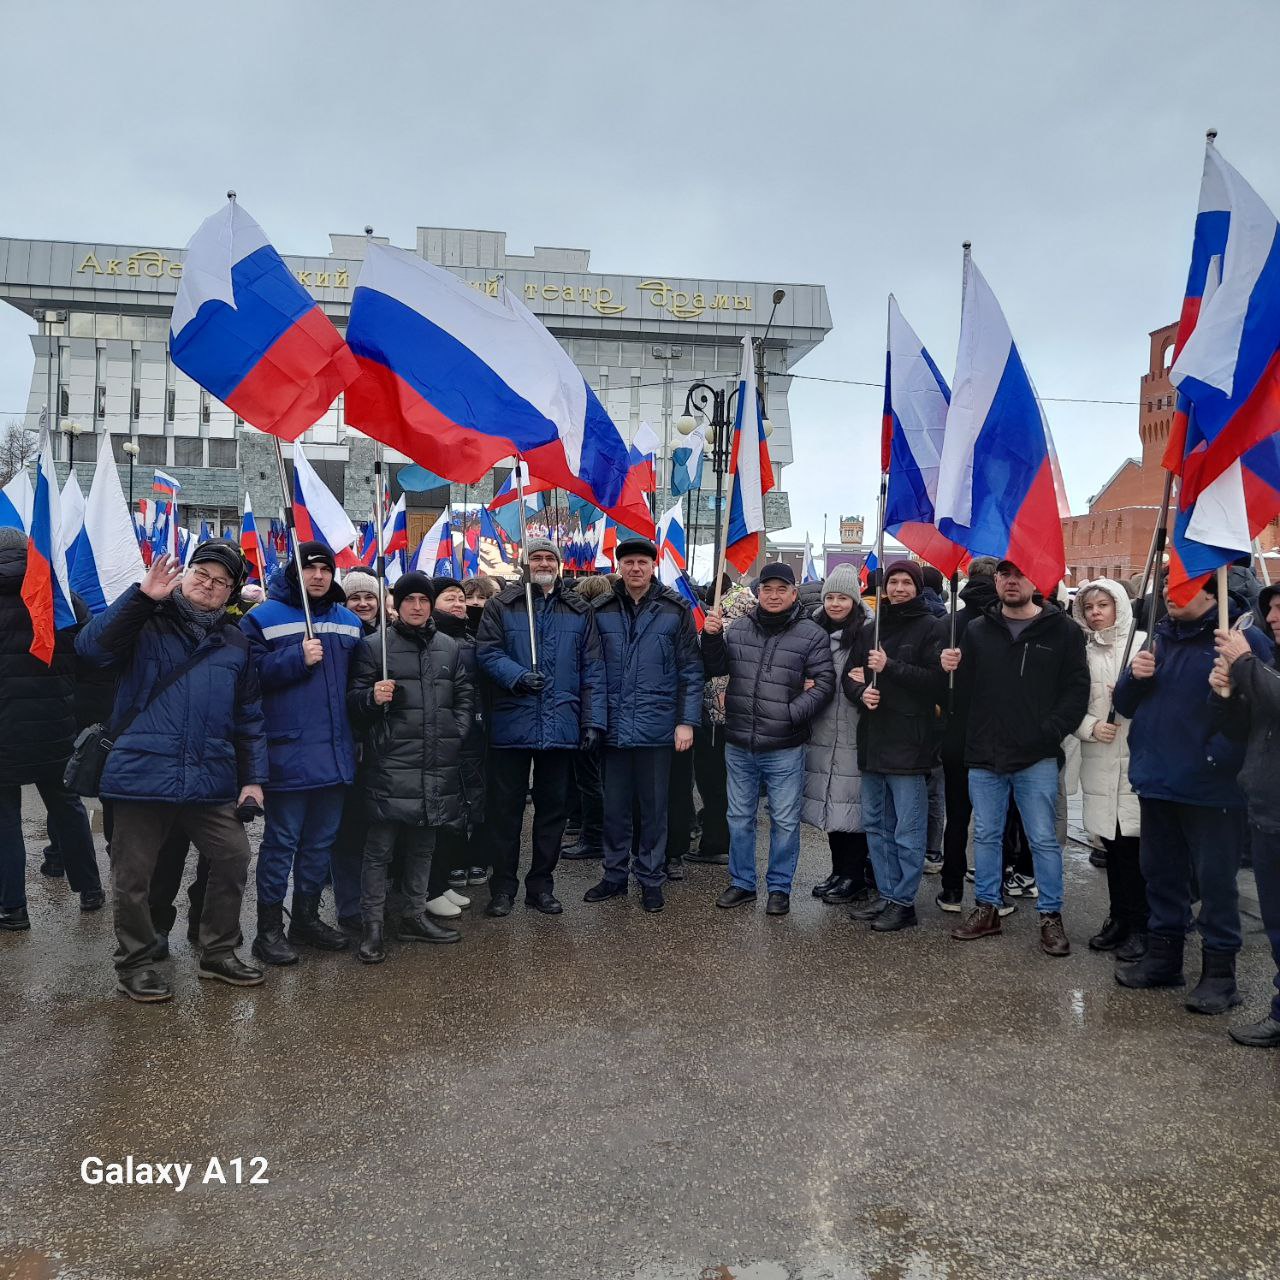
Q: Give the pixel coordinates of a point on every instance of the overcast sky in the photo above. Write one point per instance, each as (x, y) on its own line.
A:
(845, 143)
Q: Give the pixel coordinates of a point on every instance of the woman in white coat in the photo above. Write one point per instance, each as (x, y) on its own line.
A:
(1111, 812)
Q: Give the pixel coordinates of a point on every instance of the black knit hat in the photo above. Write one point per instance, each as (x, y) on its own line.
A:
(910, 568)
(412, 583)
(444, 582)
(316, 553)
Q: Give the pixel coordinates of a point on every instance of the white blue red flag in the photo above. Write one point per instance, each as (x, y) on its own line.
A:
(999, 489)
(810, 571)
(46, 590)
(751, 469)
(317, 515)
(641, 455)
(104, 559)
(869, 566)
(916, 397)
(16, 500)
(458, 381)
(1224, 443)
(671, 537)
(251, 545)
(72, 506)
(508, 491)
(672, 575)
(245, 330)
(488, 529)
(395, 531)
(166, 486)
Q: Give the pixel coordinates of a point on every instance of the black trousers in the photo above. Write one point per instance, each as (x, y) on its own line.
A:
(680, 805)
(68, 829)
(416, 845)
(636, 786)
(713, 787)
(955, 836)
(166, 880)
(452, 853)
(587, 774)
(1125, 885)
(1266, 871)
(509, 771)
(850, 857)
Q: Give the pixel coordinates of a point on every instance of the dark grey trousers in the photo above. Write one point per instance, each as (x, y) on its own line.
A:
(417, 844)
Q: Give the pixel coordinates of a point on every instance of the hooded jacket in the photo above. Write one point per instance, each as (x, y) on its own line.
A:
(1109, 801)
(767, 707)
(652, 665)
(901, 735)
(569, 655)
(1023, 696)
(203, 739)
(1178, 748)
(309, 738)
(411, 765)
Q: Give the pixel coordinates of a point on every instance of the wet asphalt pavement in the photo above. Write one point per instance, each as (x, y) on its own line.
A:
(612, 1095)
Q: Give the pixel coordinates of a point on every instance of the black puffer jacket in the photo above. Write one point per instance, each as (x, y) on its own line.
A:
(409, 769)
(37, 703)
(902, 735)
(767, 707)
(476, 744)
(1254, 707)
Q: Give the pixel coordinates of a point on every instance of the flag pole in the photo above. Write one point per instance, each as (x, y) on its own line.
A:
(291, 532)
(1262, 563)
(379, 505)
(885, 444)
(524, 555)
(1224, 600)
(951, 675)
(723, 518)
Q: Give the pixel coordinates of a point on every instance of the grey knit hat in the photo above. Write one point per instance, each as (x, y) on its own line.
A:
(541, 544)
(358, 580)
(12, 539)
(842, 581)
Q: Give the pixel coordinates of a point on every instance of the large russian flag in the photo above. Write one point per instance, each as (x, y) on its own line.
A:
(916, 397)
(105, 559)
(751, 469)
(46, 590)
(999, 489)
(458, 381)
(245, 330)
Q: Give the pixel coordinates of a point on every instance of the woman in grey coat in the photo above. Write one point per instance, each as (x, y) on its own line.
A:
(832, 784)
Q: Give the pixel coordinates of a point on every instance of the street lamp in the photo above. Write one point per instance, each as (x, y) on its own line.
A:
(72, 429)
(132, 450)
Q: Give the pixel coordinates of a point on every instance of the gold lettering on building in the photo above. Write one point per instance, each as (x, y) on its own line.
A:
(721, 302)
(304, 278)
(340, 280)
(322, 279)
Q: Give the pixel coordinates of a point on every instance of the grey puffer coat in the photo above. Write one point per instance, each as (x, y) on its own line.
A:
(832, 781)
(410, 770)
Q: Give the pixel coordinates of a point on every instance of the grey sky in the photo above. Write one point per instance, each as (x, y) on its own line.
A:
(845, 143)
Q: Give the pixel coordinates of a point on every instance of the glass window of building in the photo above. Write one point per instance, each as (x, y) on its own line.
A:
(188, 453)
(153, 451)
(222, 453)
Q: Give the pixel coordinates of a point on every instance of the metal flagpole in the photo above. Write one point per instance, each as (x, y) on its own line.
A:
(291, 530)
(524, 555)
(1262, 563)
(951, 675)
(882, 499)
(379, 505)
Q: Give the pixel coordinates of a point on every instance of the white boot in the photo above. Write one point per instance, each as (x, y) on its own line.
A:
(459, 900)
(442, 908)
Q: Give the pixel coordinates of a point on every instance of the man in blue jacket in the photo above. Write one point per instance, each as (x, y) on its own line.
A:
(310, 745)
(190, 748)
(1184, 769)
(542, 713)
(654, 672)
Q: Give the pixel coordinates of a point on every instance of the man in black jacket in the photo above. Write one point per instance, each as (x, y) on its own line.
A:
(898, 684)
(1023, 670)
(778, 662)
(1253, 689)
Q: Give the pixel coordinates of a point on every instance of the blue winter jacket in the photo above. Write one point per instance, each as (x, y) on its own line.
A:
(653, 666)
(203, 739)
(1177, 750)
(569, 655)
(309, 738)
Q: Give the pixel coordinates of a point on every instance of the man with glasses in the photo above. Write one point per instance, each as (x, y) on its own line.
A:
(190, 748)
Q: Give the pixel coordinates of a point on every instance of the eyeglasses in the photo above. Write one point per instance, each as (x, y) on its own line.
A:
(211, 579)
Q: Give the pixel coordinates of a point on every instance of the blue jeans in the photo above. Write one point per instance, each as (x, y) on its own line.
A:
(299, 830)
(895, 812)
(1035, 791)
(783, 775)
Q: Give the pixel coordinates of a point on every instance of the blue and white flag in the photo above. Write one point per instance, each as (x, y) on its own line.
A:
(686, 461)
(810, 573)
(16, 501)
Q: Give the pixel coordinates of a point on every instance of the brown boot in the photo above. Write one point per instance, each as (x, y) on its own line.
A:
(982, 922)
(1053, 936)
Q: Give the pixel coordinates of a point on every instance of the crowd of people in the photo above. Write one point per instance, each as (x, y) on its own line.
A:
(392, 765)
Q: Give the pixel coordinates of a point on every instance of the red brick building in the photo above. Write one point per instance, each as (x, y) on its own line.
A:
(1113, 539)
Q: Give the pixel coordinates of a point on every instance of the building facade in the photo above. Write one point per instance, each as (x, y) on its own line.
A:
(102, 359)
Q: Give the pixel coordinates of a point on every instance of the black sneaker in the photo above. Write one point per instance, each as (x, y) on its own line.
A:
(675, 868)
(950, 900)
(478, 875)
(458, 879)
(52, 864)
(651, 900)
(1016, 885)
(933, 863)
(605, 890)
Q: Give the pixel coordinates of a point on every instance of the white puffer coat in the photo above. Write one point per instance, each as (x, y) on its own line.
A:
(1104, 766)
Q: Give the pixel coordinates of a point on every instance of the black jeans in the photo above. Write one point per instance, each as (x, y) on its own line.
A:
(68, 829)
(509, 771)
(1266, 871)
(590, 788)
(955, 836)
(713, 787)
(166, 880)
(451, 854)
(636, 783)
(680, 805)
(1125, 885)
(416, 845)
(850, 857)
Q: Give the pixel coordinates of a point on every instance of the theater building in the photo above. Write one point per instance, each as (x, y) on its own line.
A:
(101, 357)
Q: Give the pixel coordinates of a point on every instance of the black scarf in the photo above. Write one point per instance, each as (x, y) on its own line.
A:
(848, 628)
(774, 621)
(449, 625)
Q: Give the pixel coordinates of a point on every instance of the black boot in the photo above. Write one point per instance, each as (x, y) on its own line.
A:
(1134, 947)
(270, 946)
(1160, 967)
(229, 968)
(1113, 932)
(1216, 992)
(370, 950)
(843, 892)
(306, 927)
(424, 929)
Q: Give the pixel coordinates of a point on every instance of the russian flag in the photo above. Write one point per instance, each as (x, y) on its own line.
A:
(488, 529)
(671, 537)
(46, 590)
(245, 330)
(999, 490)
(166, 486)
(458, 381)
(751, 469)
(251, 545)
(869, 566)
(810, 572)
(395, 532)
(317, 515)
(916, 397)
(641, 455)
(16, 501)
(72, 507)
(435, 551)
(509, 492)
(104, 559)
(672, 575)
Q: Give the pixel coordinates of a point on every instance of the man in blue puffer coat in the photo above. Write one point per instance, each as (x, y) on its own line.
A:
(1184, 769)
(310, 744)
(654, 671)
(540, 717)
(193, 751)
